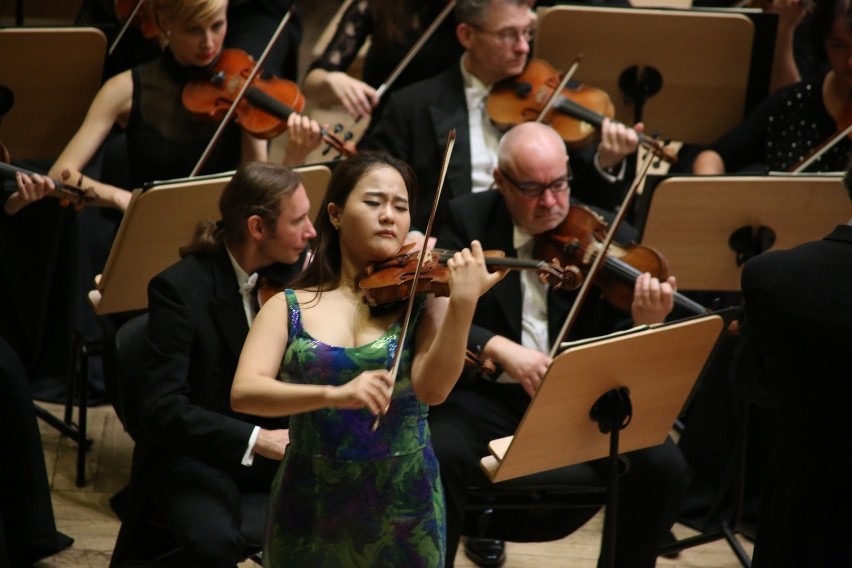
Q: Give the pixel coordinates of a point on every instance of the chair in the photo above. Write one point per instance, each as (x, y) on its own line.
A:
(150, 544)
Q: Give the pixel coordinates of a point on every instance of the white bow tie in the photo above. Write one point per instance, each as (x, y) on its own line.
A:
(247, 287)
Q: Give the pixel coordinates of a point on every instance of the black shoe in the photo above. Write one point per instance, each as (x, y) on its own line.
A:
(485, 552)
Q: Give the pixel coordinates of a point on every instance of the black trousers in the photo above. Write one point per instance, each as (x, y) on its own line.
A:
(650, 491)
(27, 525)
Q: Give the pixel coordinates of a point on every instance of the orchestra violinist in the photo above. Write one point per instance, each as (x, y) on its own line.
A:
(496, 37)
(164, 139)
(514, 325)
(798, 122)
(394, 28)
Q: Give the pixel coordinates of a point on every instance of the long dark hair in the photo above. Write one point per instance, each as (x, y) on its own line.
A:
(255, 189)
(323, 273)
(822, 20)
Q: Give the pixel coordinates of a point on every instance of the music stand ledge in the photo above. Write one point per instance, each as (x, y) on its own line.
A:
(157, 223)
(659, 366)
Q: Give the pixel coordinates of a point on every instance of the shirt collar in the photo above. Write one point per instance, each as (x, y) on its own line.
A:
(474, 89)
(242, 275)
(520, 237)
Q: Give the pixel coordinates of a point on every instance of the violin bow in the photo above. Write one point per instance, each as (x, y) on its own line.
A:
(126, 25)
(394, 370)
(558, 90)
(820, 150)
(601, 255)
(239, 97)
(415, 49)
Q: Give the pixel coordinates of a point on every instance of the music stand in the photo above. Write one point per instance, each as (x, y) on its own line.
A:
(708, 226)
(641, 365)
(704, 72)
(53, 73)
(160, 220)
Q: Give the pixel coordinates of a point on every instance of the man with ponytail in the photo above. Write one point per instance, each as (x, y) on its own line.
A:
(194, 456)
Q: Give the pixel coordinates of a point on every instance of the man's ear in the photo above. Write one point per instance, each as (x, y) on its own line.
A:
(254, 225)
(499, 181)
(463, 34)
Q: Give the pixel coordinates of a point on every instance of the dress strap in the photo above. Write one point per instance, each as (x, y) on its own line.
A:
(294, 325)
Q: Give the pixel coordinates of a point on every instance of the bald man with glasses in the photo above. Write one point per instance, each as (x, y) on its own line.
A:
(496, 36)
(514, 325)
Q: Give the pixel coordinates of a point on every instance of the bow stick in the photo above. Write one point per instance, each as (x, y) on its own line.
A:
(418, 45)
(448, 152)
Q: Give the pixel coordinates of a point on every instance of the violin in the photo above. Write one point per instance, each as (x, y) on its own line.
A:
(264, 109)
(66, 193)
(390, 280)
(577, 240)
(577, 112)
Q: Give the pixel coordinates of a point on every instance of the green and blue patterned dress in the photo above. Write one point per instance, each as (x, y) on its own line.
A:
(345, 495)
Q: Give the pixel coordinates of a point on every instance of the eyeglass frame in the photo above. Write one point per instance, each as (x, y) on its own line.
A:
(526, 188)
(507, 36)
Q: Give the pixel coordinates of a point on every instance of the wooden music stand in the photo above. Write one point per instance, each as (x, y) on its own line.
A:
(704, 66)
(54, 73)
(693, 220)
(157, 223)
(558, 428)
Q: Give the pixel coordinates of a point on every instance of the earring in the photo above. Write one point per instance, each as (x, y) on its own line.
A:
(336, 224)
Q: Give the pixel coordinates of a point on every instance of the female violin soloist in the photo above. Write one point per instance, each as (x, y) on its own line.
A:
(164, 139)
(334, 381)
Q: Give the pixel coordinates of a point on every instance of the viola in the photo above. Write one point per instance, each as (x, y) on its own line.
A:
(67, 194)
(390, 280)
(576, 112)
(264, 109)
(577, 241)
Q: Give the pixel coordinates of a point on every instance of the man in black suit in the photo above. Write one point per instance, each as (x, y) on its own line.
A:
(514, 325)
(794, 355)
(194, 456)
(496, 35)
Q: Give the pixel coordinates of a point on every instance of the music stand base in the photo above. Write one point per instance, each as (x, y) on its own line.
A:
(726, 532)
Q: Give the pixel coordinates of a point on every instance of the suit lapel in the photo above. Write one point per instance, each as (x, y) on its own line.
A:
(500, 237)
(447, 113)
(226, 306)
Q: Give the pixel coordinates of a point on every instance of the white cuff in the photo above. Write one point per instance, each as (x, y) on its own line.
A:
(248, 457)
(610, 177)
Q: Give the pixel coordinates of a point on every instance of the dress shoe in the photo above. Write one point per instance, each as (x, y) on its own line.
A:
(485, 552)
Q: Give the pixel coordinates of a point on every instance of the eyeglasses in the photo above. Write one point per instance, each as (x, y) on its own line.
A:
(535, 189)
(508, 36)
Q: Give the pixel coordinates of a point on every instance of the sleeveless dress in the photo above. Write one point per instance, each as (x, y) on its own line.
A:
(345, 495)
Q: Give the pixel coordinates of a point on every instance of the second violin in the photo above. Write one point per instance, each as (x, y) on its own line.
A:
(267, 103)
(577, 240)
(577, 112)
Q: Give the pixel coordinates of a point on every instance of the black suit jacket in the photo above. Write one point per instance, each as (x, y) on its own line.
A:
(196, 329)
(415, 125)
(484, 216)
(796, 353)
